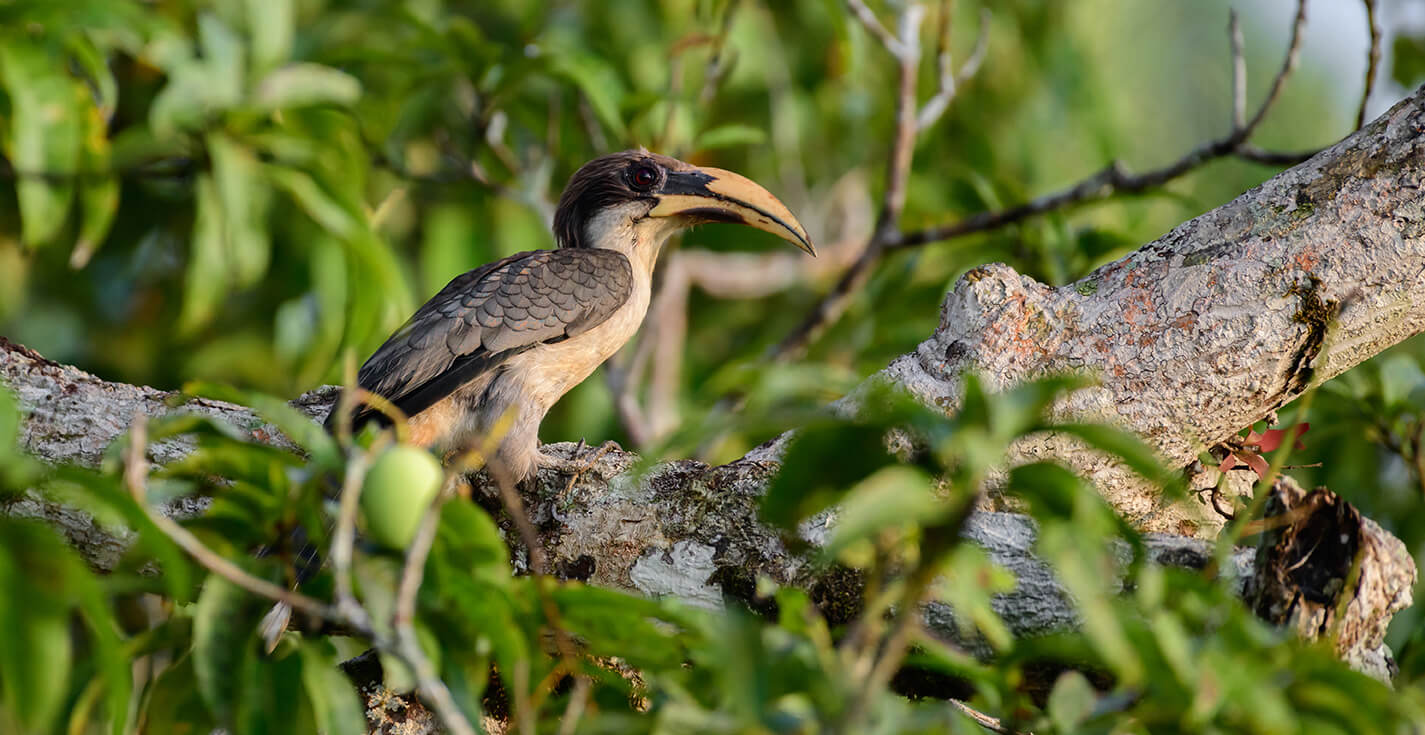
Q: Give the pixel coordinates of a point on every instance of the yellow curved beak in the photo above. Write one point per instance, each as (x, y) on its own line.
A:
(716, 195)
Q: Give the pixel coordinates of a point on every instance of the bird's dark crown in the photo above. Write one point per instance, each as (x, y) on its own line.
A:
(601, 183)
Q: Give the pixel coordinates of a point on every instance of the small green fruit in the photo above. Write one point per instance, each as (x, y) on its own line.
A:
(399, 487)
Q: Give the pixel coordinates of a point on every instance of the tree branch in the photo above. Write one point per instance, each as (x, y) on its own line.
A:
(1193, 337)
(1110, 182)
(1372, 61)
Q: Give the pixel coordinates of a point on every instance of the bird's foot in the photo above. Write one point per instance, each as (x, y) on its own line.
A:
(584, 458)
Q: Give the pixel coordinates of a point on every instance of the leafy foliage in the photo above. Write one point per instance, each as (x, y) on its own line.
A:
(1169, 650)
(245, 190)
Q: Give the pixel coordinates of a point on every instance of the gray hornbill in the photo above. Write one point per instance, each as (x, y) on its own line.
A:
(512, 337)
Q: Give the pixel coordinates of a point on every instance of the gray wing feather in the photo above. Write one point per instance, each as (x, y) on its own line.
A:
(517, 302)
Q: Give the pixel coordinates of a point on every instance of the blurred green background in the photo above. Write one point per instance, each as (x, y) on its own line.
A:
(243, 191)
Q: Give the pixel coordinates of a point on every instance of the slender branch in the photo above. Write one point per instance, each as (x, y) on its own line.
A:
(1373, 62)
(1249, 152)
(407, 646)
(1239, 73)
(344, 540)
(972, 64)
(945, 70)
(903, 146)
(873, 25)
(1293, 53)
(1111, 181)
(951, 80)
(907, 53)
(136, 479)
(983, 720)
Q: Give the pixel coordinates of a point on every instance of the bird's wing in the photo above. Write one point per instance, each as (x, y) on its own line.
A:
(485, 316)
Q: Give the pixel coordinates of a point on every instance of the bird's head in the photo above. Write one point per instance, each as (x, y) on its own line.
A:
(635, 199)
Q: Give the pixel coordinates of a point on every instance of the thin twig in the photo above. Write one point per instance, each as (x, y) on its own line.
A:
(1112, 181)
(951, 80)
(945, 70)
(971, 67)
(1373, 62)
(538, 566)
(1293, 52)
(992, 724)
(1239, 72)
(407, 646)
(136, 479)
(907, 53)
(1248, 152)
(344, 540)
(873, 25)
(718, 63)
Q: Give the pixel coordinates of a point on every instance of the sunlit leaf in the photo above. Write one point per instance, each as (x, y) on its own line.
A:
(45, 134)
(307, 84)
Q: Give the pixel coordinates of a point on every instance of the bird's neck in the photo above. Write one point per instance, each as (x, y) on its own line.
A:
(639, 240)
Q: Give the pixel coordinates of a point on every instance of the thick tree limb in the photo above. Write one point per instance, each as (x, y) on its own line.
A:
(684, 528)
(1214, 325)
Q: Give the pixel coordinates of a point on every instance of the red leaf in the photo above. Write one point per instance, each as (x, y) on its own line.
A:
(1229, 462)
(1257, 464)
(1269, 441)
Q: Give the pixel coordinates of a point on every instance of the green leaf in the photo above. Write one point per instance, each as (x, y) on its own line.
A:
(173, 705)
(1408, 65)
(1071, 701)
(335, 705)
(44, 136)
(1399, 375)
(205, 281)
(35, 667)
(727, 136)
(270, 25)
(808, 483)
(40, 577)
(616, 623)
(297, 426)
(598, 82)
(971, 581)
(890, 498)
(305, 84)
(244, 198)
(98, 189)
(320, 206)
(222, 632)
(472, 543)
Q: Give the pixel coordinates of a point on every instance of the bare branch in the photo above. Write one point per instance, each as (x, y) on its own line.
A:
(1239, 73)
(1373, 63)
(1112, 181)
(983, 720)
(344, 541)
(903, 145)
(945, 71)
(950, 80)
(1293, 52)
(1249, 152)
(972, 64)
(873, 25)
(829, 308)
(406, 645)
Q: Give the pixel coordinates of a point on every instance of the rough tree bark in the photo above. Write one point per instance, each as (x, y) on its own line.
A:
(1193, 337)
(1214, 325)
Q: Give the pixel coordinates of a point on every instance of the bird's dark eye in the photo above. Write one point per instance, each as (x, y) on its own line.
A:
(643, 176)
